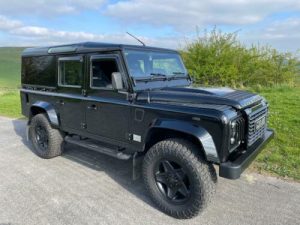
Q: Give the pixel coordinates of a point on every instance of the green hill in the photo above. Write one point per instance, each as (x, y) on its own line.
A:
(10, 67)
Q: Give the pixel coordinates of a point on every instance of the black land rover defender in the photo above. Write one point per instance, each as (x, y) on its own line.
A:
(137, 102)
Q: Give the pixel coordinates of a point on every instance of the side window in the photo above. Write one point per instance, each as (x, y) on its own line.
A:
(101, 71)
(70, 71)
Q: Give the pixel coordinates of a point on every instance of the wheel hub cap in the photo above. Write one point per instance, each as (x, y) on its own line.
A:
(172, 181)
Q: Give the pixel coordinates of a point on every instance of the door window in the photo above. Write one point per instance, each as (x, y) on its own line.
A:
(101, 72)
(70, 72)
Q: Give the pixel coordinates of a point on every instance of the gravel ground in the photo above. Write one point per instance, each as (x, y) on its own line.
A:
(85, 187)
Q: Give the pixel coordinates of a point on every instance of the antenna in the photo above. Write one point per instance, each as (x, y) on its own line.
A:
(136, 38)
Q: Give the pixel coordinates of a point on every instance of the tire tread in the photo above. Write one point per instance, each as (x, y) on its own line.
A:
(204, 172)
(55, 137)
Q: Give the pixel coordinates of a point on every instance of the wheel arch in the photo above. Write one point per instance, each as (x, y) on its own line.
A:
(163, 129)
(48, 109)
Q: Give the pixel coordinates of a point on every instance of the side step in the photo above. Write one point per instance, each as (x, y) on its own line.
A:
(98, 147)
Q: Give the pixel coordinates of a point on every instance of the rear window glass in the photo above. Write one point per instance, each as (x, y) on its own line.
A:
(70, 72)
(40, 70)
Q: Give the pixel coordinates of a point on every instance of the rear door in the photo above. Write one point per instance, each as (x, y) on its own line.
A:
(107, 110)
(71, 87)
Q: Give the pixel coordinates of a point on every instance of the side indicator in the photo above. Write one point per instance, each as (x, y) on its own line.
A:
(137, 138)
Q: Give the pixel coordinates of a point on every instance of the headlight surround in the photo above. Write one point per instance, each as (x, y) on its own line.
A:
(236, 133)
(233, 132)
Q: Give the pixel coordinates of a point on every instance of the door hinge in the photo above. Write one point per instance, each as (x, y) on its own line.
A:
(129, 136)
(83, 125)
(131, 97)
(83, 92)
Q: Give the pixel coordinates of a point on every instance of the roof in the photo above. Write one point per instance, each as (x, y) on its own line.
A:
(84, 48)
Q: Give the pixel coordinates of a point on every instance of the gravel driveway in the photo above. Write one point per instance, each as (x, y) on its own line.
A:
(84, 187)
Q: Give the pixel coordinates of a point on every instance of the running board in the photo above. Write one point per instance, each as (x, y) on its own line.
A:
(98, 147)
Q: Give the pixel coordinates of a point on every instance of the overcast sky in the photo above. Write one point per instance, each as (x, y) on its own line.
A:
(166, 23)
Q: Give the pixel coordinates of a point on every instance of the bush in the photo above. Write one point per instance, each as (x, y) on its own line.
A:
(220, 59)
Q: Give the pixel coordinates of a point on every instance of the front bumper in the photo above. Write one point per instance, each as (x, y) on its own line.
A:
(233, 169)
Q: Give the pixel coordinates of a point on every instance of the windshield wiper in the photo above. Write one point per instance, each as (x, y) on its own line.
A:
(178, 75)
(161, 76)
(152, 77)
(158, 75)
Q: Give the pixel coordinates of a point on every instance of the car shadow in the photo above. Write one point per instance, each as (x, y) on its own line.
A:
(119, 170)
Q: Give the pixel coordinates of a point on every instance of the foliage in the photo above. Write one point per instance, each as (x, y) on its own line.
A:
(220, 59)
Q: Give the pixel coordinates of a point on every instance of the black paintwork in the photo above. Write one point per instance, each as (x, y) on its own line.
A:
(132, 119)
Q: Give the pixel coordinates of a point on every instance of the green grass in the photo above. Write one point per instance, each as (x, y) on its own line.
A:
(10, 59)
(10, 73)
(281, 157)
(10, 103)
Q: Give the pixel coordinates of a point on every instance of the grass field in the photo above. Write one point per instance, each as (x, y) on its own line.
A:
(281, 157)
(10, 67)
(10, 103)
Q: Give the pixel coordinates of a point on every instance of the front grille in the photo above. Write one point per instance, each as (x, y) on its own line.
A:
(255, 133)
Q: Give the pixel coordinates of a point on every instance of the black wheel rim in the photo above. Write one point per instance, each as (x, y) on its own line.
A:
(41, 137)
(172, 181)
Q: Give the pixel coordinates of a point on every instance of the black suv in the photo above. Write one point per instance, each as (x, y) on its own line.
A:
(137, 103)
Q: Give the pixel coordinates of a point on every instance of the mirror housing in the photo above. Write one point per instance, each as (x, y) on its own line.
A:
(117, 81)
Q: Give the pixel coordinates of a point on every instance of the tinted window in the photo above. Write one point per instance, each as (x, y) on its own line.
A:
(70, 72)
(101, 71)
(40, 70)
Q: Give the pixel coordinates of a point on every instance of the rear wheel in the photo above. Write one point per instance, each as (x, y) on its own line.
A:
(47, 142)
(178, 179)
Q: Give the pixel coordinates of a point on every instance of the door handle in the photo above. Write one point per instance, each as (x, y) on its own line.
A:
(92, 107)
(60, 102)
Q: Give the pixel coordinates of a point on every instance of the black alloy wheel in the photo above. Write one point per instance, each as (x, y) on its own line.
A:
(41, 137)
(172, 181)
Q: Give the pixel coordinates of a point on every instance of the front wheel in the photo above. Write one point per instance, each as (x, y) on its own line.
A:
(178, 179)
(47, 141)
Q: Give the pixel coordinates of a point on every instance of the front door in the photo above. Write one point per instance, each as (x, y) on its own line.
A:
(107, 110)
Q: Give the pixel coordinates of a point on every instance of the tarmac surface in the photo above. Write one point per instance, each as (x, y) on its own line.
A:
(85, 187)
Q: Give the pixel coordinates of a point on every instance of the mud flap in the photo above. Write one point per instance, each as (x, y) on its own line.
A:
(137, 161)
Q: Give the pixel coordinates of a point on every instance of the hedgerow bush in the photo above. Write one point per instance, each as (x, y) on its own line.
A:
(218, 58)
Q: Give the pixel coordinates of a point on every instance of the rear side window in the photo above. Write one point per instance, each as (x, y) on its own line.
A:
(70, 71)
(39, 70)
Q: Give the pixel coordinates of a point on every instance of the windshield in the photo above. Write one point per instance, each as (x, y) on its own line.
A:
(146, 64)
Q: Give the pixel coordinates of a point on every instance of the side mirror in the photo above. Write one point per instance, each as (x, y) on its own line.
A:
(117, 81)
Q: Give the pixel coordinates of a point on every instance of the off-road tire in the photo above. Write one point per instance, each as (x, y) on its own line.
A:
(55, 137)
(201, 173)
